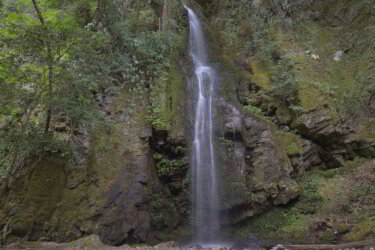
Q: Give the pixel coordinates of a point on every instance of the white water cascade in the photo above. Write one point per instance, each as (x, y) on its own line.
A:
(205, 196)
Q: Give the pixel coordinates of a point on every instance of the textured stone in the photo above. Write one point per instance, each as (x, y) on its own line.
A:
(247, 243)
(256, 165)
(320, 125)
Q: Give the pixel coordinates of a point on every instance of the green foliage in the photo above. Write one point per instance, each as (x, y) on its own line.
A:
(226, 142)
(5, 157)
(84, 12)
(165, 166)
(290, 142)
(269, 222)
(16, 149)
(242, 21)
(147, 61)
(261, 43)
(310, 198)
(156, 111)
(325, 89)
(255, 38)
(157, 156)
(359, 192)
(179, 150)
(49, 67)
(164, 211)
(53, 64)
(296, 108)
(284, 83)
(228, 147)
(253, 110)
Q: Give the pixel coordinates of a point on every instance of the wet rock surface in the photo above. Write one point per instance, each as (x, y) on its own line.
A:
(247, 243)
(116, 189)
(272, 141)
(257, 165)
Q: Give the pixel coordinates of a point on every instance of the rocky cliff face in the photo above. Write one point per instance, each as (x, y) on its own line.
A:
(130, 187)
(256, 172)
(291, 110)
(128, 183)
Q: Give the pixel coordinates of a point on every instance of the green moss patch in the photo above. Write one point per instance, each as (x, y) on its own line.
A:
(290, 142)
(335, 202)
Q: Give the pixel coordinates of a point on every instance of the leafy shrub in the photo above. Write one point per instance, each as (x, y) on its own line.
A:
(310, 198)
(254, 110)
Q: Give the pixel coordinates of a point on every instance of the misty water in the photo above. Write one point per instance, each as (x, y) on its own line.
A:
(205, 180)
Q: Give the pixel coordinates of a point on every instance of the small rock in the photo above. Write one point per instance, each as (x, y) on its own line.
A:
(338, 55)
(232, 116)
(315, 56)
(247, 243)
(286, 128)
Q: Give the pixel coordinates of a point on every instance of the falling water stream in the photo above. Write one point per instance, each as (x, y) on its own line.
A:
(205, 196)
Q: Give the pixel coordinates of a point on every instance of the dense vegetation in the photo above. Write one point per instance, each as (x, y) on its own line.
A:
(57, 56)
(96, 114)
(285, 53)
(83, 85)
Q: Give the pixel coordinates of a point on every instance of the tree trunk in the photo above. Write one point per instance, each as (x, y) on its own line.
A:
(49, 91)
(50, 69)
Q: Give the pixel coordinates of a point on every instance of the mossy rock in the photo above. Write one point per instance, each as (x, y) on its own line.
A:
(327, 236)
(289, 141)
(22, 224)
(343, 228)
(280, 224)
(363, 231)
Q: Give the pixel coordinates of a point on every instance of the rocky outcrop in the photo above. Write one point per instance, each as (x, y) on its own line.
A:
(270, 164)
(300, 72)
(336, 138)
(30, 200)
(116, 194)
(319, 125)
(125, 215)
(121, 191)
(127, 179)
(132, 184)
(258, 172)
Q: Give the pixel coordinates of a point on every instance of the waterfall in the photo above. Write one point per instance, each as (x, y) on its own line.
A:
(205, 196)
